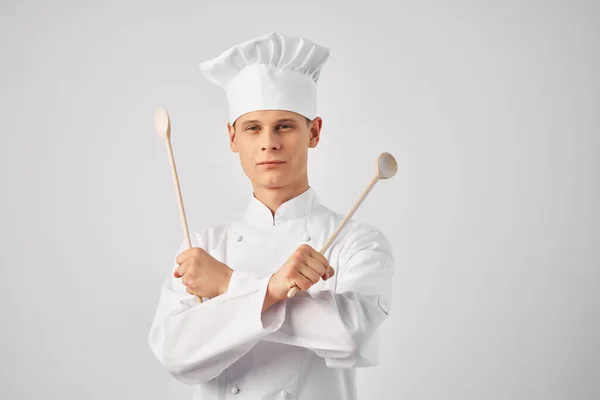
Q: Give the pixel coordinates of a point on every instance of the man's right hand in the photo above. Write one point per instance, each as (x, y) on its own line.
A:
(304, 268)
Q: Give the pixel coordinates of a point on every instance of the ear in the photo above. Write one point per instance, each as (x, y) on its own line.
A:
(315, 132)
(232, 144)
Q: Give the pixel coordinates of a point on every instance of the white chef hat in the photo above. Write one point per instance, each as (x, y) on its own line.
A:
(274, 71)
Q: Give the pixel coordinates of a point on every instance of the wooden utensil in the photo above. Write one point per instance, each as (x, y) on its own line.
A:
(162, 124)
(386, 167)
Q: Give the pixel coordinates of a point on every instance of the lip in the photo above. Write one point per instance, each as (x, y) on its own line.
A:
(273, 162)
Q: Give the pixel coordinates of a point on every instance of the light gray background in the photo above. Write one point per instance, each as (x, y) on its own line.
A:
(492, 110)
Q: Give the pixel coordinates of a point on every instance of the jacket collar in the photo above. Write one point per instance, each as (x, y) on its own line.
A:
(259, 215)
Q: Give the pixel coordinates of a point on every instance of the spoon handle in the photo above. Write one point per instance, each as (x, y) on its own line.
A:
(182, 215)
(294, 289)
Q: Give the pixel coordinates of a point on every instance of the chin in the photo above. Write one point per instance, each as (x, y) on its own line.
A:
(273, 183)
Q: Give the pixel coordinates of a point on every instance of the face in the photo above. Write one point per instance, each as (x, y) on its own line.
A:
(276, 136)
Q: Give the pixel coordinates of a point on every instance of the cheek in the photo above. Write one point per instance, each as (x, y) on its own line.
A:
(301, 157)
(246, 160)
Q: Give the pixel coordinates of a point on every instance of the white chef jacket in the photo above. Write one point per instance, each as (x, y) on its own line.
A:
(304, 348)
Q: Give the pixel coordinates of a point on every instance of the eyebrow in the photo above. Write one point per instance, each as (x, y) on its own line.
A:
(255, 121)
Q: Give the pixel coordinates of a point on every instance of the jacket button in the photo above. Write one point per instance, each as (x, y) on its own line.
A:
(306, 238)
(285, 394)
(235, 390)
(239, 238)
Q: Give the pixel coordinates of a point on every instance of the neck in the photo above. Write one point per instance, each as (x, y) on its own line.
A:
(273, 197)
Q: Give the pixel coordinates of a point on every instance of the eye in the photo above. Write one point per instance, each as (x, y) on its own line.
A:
(284, 125)
(250, 128)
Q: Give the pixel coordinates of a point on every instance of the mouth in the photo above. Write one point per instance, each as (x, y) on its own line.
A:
(273, 162)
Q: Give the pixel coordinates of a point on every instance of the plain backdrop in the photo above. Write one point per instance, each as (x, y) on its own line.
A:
(491, 109)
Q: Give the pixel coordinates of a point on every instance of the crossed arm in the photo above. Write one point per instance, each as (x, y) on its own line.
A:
(196, 342)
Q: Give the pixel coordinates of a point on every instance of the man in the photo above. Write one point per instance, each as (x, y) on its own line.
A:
(247, 339)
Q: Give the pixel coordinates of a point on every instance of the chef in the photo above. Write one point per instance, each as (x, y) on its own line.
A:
(247, 339)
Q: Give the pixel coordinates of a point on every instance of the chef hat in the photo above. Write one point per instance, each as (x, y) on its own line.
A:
(273, 71)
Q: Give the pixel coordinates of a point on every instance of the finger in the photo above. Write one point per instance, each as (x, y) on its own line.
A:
(190, 291)
(316, 266)
(328, 274)
(180, 271)
(181, 257)
(318, 256)
(309, 274)
(187, 253)
(190, 282)
(301, 281)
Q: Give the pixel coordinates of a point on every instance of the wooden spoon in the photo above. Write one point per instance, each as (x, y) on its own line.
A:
(386, 167)
(162, 124)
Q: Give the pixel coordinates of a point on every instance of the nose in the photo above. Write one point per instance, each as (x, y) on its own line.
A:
(270, 140)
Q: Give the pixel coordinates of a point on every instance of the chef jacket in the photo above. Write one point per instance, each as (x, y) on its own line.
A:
(307, 347)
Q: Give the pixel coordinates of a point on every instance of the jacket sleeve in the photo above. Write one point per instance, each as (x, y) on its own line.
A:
(341, 325)
(197, 341)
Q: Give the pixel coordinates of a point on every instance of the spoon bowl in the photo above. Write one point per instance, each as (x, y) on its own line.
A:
(162, 123)
(386, 166)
